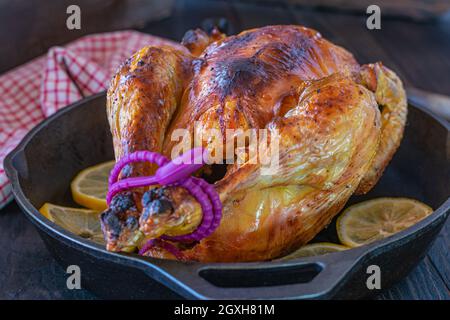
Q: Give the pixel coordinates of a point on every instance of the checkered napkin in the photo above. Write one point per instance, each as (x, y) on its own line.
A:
(37, 89)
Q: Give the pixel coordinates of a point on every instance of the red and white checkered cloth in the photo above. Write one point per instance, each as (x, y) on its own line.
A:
(37, 89)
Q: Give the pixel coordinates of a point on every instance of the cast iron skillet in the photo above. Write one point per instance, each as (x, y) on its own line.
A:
(44, 163)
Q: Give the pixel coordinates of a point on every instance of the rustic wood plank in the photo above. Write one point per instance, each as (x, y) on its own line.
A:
(254, 16)
(412, 9)
(439, 254)
(190, 15)
(421, 52)
(196, 12)
(423, 283)
(27, 270)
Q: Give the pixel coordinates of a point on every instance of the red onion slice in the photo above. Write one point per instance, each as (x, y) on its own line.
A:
(163, 244)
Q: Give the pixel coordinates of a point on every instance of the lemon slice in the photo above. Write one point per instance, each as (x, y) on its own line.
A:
(377, 219)
(82, 222)
(315, 249)
(90, 186)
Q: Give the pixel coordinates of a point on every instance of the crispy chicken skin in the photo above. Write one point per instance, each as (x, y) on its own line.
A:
(311, 94)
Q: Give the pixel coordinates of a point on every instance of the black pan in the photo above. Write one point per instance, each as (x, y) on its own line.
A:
(47, 159)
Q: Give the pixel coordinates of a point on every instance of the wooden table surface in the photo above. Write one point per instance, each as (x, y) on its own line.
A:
(418, 52)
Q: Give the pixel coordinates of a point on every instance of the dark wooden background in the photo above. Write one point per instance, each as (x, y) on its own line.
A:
(418, 52)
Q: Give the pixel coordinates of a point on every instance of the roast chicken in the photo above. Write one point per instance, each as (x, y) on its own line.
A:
(338, 125)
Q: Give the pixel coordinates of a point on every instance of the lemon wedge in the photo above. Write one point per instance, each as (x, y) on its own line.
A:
(82, 222)
(377, 219)
(315, 249)
(90, 186)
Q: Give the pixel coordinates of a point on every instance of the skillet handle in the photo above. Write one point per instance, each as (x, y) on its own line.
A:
(313, 278)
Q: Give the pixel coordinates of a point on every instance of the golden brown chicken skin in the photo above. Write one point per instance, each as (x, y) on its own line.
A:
(315, 101)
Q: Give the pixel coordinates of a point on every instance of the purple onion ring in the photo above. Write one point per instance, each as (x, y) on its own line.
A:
(176, 173)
